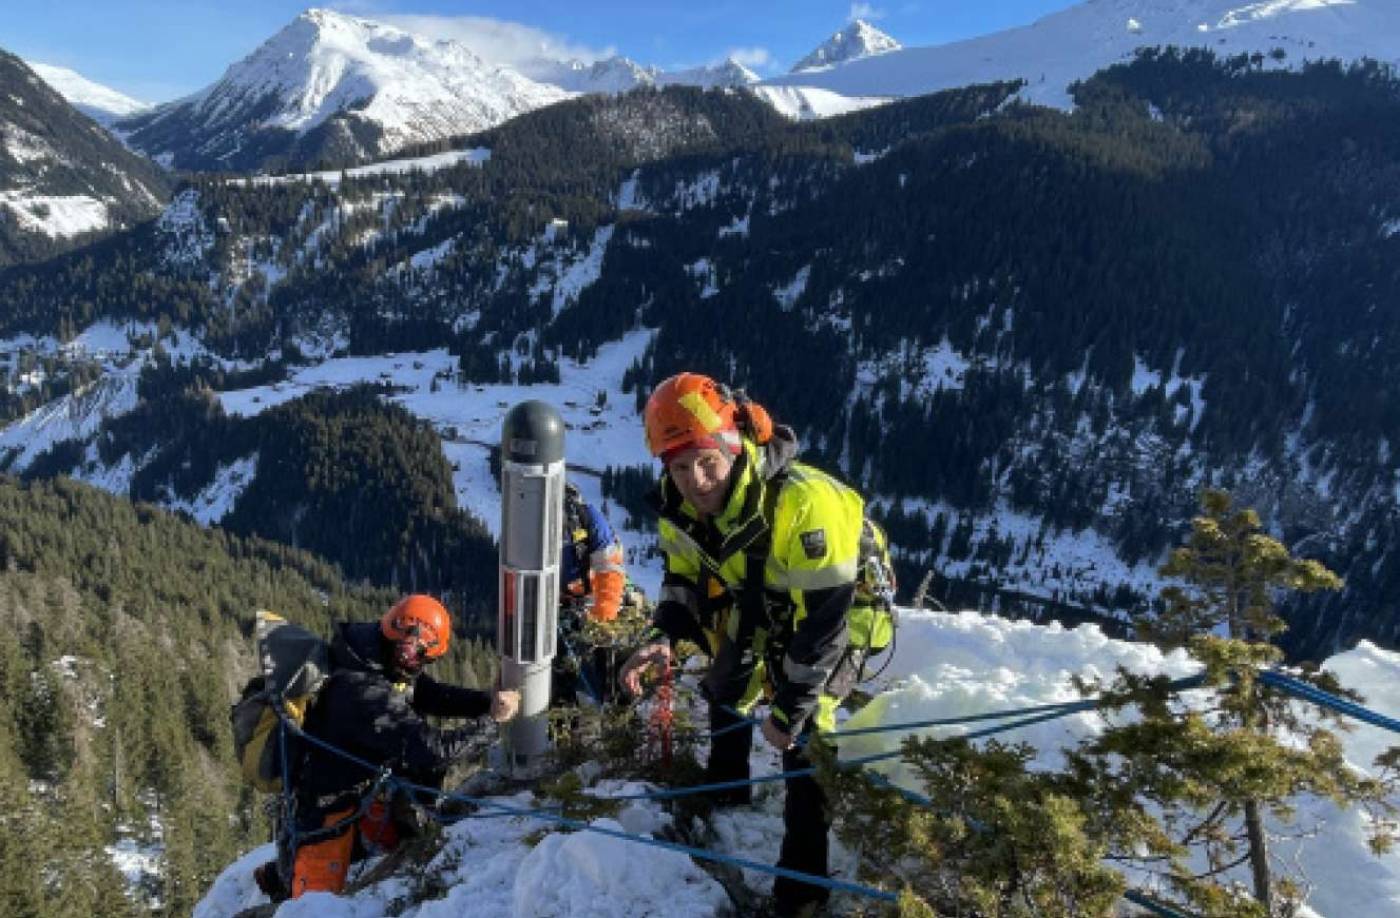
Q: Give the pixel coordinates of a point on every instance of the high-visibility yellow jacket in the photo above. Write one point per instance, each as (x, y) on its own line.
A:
(804, 528)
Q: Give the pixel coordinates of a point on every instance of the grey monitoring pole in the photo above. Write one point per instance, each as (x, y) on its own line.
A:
(532, 502)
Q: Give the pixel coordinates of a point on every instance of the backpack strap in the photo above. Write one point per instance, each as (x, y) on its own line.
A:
(753, 597)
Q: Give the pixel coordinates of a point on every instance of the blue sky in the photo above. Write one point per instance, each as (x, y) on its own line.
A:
(156, 50)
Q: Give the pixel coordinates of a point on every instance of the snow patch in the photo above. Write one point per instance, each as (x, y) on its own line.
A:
(583, 272)
(213, 503)
(739, 226)
(788, 295)
(56, 216)
(628, 198)
(808, 103)
(426, 164)
(75, 416)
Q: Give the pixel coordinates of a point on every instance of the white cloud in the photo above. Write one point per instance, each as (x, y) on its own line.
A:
(753, 58)
(498, 41)
(867, 11)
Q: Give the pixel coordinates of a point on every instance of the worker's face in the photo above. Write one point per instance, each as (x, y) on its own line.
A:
(410, 655)
(702, 477)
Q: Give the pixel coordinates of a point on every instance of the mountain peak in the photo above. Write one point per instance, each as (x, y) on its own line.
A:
(858, 39)
(324, 66)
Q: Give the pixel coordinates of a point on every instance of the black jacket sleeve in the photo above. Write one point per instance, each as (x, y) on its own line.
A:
(431, 697)
(812, 655)
(677, 615)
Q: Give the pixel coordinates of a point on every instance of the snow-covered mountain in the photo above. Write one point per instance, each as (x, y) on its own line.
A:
(945, 665)
(620, 74)
(102, 104)
(62, 177)
(857, 40)
(728, 73)
(332, 86)
(1052, 52)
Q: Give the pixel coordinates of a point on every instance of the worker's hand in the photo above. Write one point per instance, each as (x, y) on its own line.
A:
(504, 704)
(776, 736)
(657, 652)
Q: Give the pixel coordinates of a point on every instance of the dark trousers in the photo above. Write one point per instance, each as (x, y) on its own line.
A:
(729, 756)
(806, 824)
(806, 810)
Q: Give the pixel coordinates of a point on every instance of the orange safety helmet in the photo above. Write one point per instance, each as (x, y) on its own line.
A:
(422, 617)
(689, 410)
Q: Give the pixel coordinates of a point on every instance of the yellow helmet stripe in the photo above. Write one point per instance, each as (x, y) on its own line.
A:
(706, 415)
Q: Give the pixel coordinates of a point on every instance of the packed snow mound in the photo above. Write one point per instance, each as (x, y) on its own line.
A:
(100, 103)
(944, 665)
(1072, 44)
(857, 40)
(325, 63)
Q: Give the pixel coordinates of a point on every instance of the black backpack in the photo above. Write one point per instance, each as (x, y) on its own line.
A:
(294, 665)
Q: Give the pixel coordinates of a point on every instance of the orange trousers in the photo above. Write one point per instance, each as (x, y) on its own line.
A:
(323, 865)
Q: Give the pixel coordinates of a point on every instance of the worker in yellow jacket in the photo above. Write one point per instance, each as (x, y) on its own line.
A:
(761, 567)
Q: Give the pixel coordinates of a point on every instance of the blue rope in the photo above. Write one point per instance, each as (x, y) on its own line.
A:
(1328, 700)
(702, 853)
(673, 792)
(1067, 707)
(744, 721)
(949, 721)
(1152, 905)
(1059, 710)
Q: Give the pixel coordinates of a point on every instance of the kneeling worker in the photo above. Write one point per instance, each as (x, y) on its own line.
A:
(373, 707)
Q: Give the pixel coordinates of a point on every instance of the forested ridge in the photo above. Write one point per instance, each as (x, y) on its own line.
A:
(346, 475)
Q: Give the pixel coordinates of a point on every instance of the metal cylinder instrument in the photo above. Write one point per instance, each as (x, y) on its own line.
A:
(532, 501)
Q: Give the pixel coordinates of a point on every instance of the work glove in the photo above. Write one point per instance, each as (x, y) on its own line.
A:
(504, 705)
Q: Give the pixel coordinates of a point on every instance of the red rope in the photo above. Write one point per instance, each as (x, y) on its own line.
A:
(662, 715)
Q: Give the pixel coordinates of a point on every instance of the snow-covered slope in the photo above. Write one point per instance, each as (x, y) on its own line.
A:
(363, 84)
(1058, 49)
(945, 665)
(100, 103)
(806, 103)
(857, 40)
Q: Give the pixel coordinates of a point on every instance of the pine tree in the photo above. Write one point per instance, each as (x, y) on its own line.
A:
(1183, 783)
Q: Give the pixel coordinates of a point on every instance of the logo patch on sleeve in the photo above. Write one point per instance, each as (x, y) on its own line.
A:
(814, 544)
